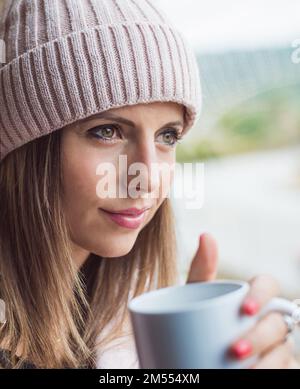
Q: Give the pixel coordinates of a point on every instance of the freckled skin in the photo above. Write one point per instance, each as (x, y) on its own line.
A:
(91, 230)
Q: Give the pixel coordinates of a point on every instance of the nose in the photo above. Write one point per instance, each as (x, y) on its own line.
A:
(143, 173)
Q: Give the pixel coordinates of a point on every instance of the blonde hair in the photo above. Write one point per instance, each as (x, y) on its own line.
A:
(54, 311)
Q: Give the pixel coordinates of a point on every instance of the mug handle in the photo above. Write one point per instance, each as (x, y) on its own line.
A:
(281, 305)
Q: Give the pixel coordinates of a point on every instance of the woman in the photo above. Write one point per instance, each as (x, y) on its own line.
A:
(85, 83)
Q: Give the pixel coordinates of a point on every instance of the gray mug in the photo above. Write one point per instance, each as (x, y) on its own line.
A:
(192, 326)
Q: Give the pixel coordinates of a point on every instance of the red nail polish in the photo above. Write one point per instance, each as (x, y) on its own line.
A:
(250, 307)
(241, 349)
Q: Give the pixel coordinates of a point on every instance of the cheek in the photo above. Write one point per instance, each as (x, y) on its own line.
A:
(80, 161)
(167, 177)
(79, 182)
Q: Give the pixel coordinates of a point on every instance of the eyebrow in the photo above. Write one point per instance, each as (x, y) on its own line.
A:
(111, 116)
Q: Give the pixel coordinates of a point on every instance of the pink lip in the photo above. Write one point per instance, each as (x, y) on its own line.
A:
(130, 211)
(130, 218)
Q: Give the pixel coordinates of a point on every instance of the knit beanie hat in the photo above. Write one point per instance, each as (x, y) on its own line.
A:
(68, 59)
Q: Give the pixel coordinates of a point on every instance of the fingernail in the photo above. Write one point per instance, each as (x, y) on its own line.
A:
(250, 307)
(241, 349)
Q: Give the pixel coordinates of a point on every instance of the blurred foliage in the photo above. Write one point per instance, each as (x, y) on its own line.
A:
(269, 120)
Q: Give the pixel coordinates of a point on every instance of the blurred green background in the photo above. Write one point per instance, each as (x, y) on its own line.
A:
(269, 120)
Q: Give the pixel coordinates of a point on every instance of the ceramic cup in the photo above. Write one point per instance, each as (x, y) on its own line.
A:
(192, 326)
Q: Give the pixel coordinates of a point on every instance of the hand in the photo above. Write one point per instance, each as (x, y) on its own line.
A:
(267, 338)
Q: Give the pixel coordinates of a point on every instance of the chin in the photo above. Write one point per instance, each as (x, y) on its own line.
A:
(116, 250)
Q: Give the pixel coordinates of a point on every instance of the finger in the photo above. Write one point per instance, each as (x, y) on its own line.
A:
(205, 261)
(280, 357)
(262, 289)
(268, 332)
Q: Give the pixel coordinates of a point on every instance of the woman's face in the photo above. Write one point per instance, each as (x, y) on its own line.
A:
(89, 144)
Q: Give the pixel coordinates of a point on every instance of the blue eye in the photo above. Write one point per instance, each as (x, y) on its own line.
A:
(104, 132)
(171, 137)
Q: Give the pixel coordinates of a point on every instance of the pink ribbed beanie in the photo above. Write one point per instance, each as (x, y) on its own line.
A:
(69, 59)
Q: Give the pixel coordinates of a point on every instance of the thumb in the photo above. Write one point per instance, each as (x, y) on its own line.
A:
(205, 262)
